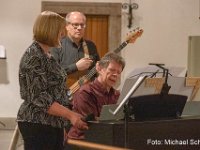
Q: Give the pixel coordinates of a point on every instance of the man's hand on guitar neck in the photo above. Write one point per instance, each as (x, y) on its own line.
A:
(84, 63)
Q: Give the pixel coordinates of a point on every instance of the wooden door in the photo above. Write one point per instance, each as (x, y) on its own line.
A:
(97, 31)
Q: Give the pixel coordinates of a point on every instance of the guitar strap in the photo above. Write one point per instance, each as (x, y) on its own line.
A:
(85, 49)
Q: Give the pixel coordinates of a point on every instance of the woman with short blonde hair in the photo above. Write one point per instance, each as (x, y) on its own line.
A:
(44, 111)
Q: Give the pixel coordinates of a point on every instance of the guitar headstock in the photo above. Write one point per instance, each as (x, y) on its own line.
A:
(133, 35)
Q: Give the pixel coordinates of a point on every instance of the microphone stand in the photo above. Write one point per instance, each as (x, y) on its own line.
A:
(165, 88)
(126, 121)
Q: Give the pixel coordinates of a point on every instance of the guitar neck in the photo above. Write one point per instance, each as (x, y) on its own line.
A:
(81, 81)
(117, 50)
(93, 71)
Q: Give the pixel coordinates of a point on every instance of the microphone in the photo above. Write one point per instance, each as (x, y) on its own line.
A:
(156, 64)
(160, 66)
(89, 117)
(154, 74)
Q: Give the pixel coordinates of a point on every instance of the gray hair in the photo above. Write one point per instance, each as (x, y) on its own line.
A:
(111, 56)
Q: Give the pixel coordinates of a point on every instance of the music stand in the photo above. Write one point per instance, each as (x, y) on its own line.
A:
(124, 103)
(157, 106)
(179, 100)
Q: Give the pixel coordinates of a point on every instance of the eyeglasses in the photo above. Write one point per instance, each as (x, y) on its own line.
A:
(76, 25)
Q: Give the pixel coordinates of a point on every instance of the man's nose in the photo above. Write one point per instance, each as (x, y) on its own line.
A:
(116, 74)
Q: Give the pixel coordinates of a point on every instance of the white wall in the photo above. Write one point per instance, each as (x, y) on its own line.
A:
(166, 23)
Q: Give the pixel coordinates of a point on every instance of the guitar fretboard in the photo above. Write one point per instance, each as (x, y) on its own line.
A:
(117, 50)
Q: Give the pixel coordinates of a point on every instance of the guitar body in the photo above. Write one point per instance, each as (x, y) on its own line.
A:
(74, 77)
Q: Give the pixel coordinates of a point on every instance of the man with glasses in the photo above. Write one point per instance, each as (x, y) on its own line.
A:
(77, 55)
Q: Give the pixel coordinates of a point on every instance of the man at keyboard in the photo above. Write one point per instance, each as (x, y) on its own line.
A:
(92, 96)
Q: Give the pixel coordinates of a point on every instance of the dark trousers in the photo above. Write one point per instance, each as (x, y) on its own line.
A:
(41, 137)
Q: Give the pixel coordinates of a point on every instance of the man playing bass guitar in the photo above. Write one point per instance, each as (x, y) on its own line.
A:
(76, 55)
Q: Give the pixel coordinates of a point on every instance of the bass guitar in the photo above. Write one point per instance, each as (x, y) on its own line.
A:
(84, 79)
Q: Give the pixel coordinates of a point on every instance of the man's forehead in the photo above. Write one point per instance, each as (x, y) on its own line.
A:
(114, 63)
(75, 17)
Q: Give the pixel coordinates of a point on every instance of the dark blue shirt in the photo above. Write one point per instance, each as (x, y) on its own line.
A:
(70, 53)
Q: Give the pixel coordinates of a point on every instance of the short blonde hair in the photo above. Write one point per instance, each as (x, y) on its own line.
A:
(47, 27)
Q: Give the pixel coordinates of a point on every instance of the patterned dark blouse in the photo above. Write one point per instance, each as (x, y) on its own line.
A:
(42, 82)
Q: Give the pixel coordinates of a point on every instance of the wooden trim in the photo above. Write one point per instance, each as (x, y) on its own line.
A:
(113, 9)
(191, 81)
(94, 146)
(195, 82)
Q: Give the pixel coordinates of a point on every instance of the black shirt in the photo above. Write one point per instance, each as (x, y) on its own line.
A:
(70, 53)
